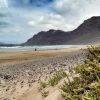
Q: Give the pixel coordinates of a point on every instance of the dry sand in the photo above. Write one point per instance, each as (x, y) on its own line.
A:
(20, 71)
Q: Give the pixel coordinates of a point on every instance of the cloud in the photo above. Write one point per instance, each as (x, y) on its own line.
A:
(77, 9)
(31, 23)
(3, 3)
(70, 7)
(48, 21)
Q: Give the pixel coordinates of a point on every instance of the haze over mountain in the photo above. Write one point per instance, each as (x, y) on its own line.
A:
(87, 33)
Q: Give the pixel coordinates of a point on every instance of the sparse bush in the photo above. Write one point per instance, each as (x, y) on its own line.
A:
(87, 85)
(57, 77)
(43, 85)
(45, 93)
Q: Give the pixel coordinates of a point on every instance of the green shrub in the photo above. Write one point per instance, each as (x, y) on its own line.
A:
(87, 85)
(45, 93)
(43, 85)
(57, 77)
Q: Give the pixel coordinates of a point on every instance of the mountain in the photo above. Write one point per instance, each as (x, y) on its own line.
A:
(87, 33)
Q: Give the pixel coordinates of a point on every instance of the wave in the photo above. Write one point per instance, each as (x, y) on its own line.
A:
(28, 48)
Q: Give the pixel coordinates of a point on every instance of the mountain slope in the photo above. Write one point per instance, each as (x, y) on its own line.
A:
(87, 33)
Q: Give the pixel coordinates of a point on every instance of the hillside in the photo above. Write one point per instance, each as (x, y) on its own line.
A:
(87, 33)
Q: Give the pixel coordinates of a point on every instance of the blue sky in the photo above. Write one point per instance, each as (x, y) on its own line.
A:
(23, 3)
(21, 19)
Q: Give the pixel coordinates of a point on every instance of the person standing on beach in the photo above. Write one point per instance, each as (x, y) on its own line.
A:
(35, 49)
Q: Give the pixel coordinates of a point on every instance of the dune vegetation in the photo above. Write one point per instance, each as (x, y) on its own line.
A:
(86, 86)
(83, 82)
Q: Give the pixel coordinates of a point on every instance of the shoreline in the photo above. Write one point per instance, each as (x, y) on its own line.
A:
(39, 48)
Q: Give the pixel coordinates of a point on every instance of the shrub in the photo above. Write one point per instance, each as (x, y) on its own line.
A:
(57, 77)
(43, 85)
(45, 93)
(87, 85)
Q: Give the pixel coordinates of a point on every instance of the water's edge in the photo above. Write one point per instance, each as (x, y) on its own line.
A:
(29, 48)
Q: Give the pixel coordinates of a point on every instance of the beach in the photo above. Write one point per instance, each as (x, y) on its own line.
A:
(49, 50)
(21, 71)
(14, 55)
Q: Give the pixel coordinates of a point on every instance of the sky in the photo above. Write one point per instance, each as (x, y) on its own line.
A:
(21, 19)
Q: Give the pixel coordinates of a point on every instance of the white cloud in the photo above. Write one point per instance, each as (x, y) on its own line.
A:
(31, 23)
(75, 10)
(48, 21)
(3, 3)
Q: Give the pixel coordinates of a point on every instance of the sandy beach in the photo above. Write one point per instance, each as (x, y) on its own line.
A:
(49, 50)
(20, 56)
(21, 71)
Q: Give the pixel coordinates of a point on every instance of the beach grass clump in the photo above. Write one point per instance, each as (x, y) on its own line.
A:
(43, 85)
(85, 86)
(51, 82)
(45, 93)
(57, 77)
